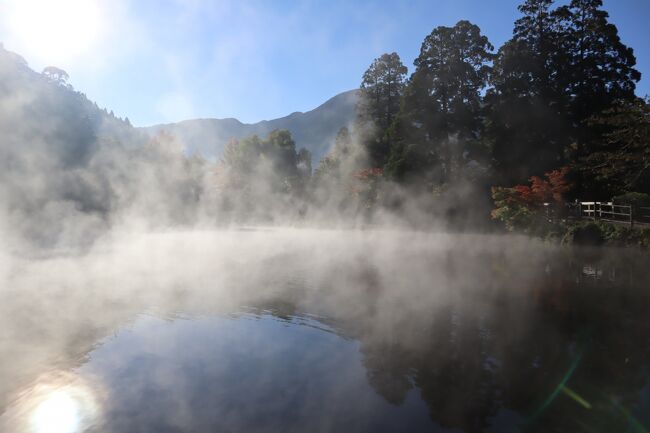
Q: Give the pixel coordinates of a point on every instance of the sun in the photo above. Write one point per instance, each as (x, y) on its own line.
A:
(59, 402)
(62, 407)
(59, 412)
(53, 31)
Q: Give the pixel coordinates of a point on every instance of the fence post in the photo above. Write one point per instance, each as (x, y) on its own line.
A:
(631, 216)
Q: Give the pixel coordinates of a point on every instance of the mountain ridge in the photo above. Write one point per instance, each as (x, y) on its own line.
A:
(314, 130)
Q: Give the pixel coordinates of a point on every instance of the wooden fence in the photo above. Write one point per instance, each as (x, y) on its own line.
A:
(608, 211)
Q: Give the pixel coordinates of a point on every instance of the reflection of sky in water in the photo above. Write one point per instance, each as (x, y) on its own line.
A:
(58, 402)
(242, 372)
(480, 342)
(227, 373)
(246, 373)
(58, 413)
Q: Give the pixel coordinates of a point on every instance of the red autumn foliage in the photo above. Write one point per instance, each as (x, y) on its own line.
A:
(367, 182)
(369, 173)
(560, 185)
(541, 190)
(524, 193)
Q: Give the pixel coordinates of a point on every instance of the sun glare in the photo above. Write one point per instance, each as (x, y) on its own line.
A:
(58, 413)
(61, 402)
(54, 31)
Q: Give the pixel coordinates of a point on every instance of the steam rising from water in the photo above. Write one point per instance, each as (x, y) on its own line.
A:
(404, 295)
(98, 232)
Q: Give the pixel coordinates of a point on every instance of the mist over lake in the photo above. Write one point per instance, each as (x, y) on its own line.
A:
(300, 216)
(321, 330)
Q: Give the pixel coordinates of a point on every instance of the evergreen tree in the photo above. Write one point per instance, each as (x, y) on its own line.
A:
(527, 122)
(442, 104)
(600, 67)
(280, 148)
(620, 160)
(304, 163)
(381, 89)
(535, 34)
(561, 68)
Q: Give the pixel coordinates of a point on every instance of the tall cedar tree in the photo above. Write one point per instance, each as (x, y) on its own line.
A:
(441, 114)
(527, 124)
(600, 68)
(560, 69)
(381, 90)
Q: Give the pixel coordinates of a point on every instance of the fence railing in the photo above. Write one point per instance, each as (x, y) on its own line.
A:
(605, 211)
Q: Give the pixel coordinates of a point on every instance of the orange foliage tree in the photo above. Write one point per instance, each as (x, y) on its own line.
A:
(519, 206)
(366, 185)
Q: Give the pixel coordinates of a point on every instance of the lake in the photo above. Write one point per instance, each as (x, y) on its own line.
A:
(301, 330)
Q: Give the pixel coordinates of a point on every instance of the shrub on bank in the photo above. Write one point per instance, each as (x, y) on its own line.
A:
(634, 199)
(596, 233)
(589, 233)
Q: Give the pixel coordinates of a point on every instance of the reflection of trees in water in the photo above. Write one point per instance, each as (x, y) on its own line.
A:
(470, 332)
(469, 361)
(446, 361)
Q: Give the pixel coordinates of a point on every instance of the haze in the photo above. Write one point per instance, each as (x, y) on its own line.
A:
(442, 226)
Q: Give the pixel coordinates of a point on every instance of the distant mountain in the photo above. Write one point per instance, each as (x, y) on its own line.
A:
(314, 130)
(69, 169)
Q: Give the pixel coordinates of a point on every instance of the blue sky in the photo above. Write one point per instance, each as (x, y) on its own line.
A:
(162, 61)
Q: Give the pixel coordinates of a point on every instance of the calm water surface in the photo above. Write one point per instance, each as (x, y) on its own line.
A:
(326, 331)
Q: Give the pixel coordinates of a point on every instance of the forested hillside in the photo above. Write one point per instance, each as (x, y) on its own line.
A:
(69, 169)
(314, 130)
(472, 125)
(474, 137)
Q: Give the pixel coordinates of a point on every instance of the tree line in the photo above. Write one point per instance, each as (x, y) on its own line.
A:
(559, 92)
(556, 100)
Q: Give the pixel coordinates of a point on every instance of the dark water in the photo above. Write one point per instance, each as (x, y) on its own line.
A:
(296, 332)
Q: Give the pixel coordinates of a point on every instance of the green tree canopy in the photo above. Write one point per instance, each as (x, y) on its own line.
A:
(442, 103)
(599, 70)
(561, 68)
(380, 93)
(527, 123)
(621, 160)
